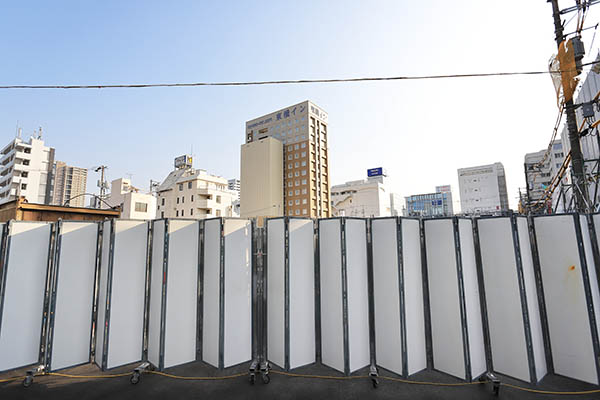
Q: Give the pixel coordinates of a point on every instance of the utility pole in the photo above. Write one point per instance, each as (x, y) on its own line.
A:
(101, 183)
(577, 171)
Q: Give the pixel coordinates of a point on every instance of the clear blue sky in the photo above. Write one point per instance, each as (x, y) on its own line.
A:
(421, 131)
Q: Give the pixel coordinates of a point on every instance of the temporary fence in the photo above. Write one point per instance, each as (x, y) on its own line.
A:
(513, 317)
(571, 301)
(122, 293)
(456, 319)
(506, 295)
(227, 293)
(290, 292)
(344, 293)
(398, 295)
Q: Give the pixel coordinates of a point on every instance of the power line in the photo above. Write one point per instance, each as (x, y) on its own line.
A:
(287, 82)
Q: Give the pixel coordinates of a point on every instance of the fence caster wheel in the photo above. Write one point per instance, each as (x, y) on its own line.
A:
(27, 381)
(135, 378)
(266, 378)
(252, 378)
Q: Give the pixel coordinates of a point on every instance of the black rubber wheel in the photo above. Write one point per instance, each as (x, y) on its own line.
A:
(266, 378)
(135, 378)
(252, 379)
(27, 381)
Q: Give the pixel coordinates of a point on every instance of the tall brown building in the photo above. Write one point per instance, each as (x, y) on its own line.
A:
(69, 185)
(303, 131)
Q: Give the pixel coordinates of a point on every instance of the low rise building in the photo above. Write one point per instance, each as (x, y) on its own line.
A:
(133, 203)
(362, 198)
(483, 189)
(194, 193)
(438, 204)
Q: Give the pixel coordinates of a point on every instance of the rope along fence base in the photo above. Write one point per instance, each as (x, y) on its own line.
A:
(309, 376)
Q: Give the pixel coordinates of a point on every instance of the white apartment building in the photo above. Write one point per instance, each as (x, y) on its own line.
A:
(26, 170)
(483, 189)
(134, 205)
(540, 169)
(234, 184)
(362, 198)
(193, 193)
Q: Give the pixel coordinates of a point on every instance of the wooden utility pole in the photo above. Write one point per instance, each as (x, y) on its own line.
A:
(577, 165)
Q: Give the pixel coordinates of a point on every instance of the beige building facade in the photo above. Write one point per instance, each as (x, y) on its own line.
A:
(303, 132)
(261, 186)
(194, 193)
(69, 185)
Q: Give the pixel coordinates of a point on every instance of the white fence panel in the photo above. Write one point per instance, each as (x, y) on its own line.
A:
(454, 298)
(237, 335)
(156, 284)
(398, 295)
(290, 284)
(504, 265)
(566, 283)
(23, 288)
(74, 282)
(182, 293)
(276, 291)
(227, 294)
(344, 294)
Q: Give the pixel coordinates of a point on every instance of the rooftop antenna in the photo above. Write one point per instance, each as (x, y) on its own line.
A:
(40, 133)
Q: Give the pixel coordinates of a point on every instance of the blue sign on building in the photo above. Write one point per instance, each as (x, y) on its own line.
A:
(375, 171)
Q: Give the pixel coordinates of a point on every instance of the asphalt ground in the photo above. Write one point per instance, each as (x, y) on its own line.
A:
(152, 386)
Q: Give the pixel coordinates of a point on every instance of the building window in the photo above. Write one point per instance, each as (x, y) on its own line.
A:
(180, 186)
(191, 211)
(25, 162)
(303, 153)
(304, 211)
(178, 200)
(24, 174)
(304, 191)
(163, 201)
(297, 192)
(182, 199)
(303, 172)
(297, 202)
(297, 156)
(290, 175)
(192, 200)
(189, 184)
(291, 212)
(289, 166)
(177, 213)
(290, 203)
(297, 173)
(218, 213)
(298, 212)
(297, 164)
(289, 148)
(290, 184)
(289, 157)
(303, 201)
(141, 207)
(303, 145)
(162, 214)
(304, 181)
(297, 183)
(290, 193)
(296, 147)
(219, 199)
(23, 186)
